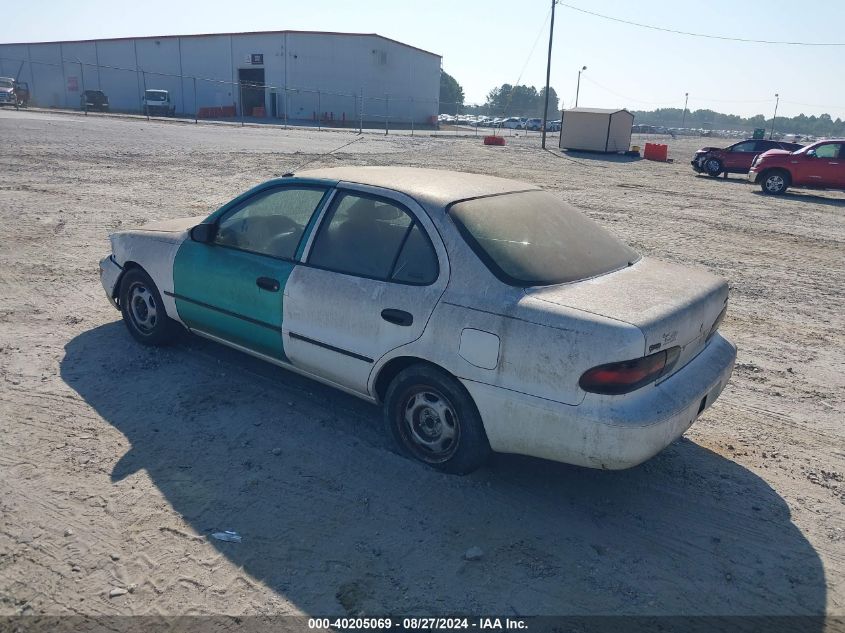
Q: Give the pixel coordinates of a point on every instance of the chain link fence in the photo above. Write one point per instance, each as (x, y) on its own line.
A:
(77, 85)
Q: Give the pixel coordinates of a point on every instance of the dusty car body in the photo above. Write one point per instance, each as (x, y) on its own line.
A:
(523, 326)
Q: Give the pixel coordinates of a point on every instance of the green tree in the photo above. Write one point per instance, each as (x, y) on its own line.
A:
(509, 100)
(451, 93)
(553, 113)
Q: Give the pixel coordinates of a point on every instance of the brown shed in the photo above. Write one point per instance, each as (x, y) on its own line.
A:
(596, 130)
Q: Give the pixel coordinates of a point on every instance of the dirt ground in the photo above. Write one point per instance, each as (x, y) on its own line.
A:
(117, 462)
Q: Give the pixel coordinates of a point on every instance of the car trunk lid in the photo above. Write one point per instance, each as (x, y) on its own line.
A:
(671, 304)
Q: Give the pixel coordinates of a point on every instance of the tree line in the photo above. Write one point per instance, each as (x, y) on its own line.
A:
(502, 101)
(822, 125)
(509, 100)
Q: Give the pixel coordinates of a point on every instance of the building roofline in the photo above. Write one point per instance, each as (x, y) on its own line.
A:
(283, 32)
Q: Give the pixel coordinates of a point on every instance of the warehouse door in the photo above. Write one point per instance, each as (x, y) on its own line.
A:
(252, 89)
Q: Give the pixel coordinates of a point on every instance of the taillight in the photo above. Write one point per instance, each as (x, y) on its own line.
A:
(628, 375)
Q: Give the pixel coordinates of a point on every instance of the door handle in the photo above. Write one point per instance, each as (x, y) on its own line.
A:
(397, 317)
(267, 283)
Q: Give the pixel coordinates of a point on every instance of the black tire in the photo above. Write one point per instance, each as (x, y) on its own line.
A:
(774, 182)
(426, 409)
(143, 310)
(713, 167)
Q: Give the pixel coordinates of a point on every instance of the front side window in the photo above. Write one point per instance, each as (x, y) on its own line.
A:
(270, 223)
(828, 150)
(531, 238)
(375, 238)
(748, 146)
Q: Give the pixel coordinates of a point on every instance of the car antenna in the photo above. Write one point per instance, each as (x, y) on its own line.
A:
(311, 160)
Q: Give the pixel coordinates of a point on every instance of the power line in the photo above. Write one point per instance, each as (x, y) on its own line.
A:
(704, 35)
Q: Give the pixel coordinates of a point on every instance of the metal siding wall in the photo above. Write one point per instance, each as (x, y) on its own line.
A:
(159, 61)
(330, 63)
(122, 87)
(210, 58)
(9, 67)
(243, 46)
(50, 87)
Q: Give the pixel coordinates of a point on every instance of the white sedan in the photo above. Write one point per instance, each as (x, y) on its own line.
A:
(483, 313)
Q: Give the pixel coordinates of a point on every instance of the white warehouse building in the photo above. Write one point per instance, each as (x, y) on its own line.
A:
(298, 75)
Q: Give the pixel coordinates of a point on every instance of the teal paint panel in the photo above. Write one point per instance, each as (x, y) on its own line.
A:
(216, 292)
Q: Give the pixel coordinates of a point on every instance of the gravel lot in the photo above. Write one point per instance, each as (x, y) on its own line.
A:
(118, 462)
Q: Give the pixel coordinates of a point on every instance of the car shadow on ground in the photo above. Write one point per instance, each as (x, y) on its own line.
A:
(803, 196)
(335, 522)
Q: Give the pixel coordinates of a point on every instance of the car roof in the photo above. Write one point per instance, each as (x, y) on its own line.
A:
(436, 187)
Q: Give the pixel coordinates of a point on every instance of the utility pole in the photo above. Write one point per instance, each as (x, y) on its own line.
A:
(684, 116)
(777, 100)
(578, 87)
(548, 73)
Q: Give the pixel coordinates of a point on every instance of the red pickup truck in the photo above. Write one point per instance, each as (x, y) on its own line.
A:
(819, 166)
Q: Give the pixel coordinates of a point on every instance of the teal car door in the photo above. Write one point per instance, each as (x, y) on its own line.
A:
(232, 286)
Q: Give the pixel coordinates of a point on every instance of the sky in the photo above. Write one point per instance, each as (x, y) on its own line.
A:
(485, 44)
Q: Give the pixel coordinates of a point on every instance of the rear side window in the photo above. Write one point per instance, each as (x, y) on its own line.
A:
(417, 263)
(375, 238)
(533, 239)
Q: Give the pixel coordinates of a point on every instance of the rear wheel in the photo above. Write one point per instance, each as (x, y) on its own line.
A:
(434, 420)
(143, 311)
(774, 182)
(713, 167)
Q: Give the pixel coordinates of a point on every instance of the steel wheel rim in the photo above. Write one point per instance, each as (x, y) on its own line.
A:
(429, 424)
(774, 183)
(142, 308)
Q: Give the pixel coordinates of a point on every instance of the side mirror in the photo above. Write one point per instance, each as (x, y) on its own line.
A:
(204, 233)
(811, 153)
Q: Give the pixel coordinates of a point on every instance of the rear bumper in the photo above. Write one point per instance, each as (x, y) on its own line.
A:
(609, 432)
(110, 272)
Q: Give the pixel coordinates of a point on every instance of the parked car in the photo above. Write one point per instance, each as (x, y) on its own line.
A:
(820, 166)
(513, 122)
(94, 101)
(736, 158)
(7, 91)
(553, 126)
(534, 124)
(158, 103)
(484, 314)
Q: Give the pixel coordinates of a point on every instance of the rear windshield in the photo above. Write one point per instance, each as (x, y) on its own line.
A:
(156, 96)
(531, 238)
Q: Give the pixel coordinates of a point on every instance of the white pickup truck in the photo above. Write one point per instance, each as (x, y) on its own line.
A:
(158, 103)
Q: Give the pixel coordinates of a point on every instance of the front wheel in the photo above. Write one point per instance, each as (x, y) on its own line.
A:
(713, 167)
(143, 311)
(775, 182)
(434, 420)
